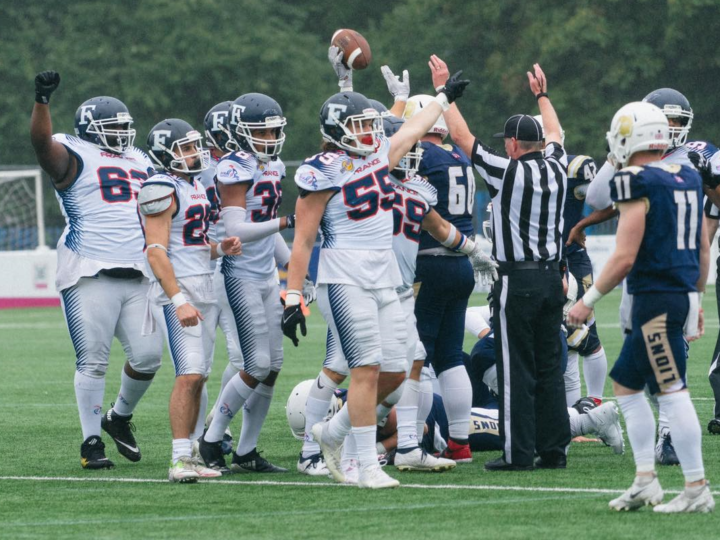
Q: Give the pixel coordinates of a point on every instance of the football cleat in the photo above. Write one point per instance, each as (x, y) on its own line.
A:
(121, 429)
(227, 442)
(253, 462)
(332, 451)
(697, 499)
(212, 455)
(351, 470)
(714, 426)
(92, 454)
(313, 465)
(419, 460)
(375, 478)
(607, 426)
(664, 449)
(183, 471)
(205, 472)
(459, 453)
(639, 495)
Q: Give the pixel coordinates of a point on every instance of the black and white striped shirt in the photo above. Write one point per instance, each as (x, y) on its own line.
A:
(528, 197)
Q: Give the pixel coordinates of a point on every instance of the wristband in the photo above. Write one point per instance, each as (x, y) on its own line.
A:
(292, 297)
(158, 246)
(290, 221)
(465, 246)
(442, 100)
(179, 300)
(541, 94)
(42, 99)
(591, 296)
(449, 242)
(219, 249)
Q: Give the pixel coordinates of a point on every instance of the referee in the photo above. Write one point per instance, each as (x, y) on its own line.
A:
(528, 193)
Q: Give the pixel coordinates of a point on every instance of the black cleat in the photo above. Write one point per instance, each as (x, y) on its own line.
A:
(212, 454)
(500, 464)
(665, 451)
(121, 429)
(92, 454)
(253, 462)
(714, 426)
(559, 463)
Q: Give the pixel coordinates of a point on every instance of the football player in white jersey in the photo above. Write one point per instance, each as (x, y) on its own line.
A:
(97, 175)
(345, 192)
(250, 186)
(176, 214)
(216, 124)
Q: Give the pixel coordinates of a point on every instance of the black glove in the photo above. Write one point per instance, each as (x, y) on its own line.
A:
(454, 87)
(290, 221)
(46, 82)
(291, 317)
(703, 166)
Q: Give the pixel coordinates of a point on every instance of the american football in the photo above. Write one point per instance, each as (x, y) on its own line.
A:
(357, 53)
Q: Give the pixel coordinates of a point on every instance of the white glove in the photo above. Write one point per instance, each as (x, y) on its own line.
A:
(344, 75)
(484, 267)
(400, 89)
(309, 292)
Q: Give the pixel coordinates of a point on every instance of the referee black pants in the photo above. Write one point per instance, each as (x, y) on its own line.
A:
(527, 314)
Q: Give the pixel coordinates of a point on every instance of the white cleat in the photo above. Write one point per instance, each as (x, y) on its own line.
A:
(639, 495)
(690, 500)
(331, 450)
(419, 460)
(203, 471)
(313, 465)
(375, 478)
(351, 470)
(607, 426)
(183, 471)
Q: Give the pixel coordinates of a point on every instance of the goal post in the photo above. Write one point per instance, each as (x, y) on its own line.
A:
(22, 214)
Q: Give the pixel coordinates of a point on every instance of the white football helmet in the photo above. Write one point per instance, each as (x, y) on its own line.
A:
(416, 104)
(562, 131)
(295, 408)
(636, 127)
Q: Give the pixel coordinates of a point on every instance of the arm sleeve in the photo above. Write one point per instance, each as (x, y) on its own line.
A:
(474, 321)
(598, 193)
(490, 165)
(282, 252)
(234, 219)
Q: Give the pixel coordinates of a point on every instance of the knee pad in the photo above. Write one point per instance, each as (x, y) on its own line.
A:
(93, 368)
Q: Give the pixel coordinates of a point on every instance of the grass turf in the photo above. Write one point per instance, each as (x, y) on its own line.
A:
(40, 436)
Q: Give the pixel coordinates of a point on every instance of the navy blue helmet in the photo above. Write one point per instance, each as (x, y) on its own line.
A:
(165, 142)
(675, 106)
(379, 107)
(105, 122)
(252, 112)
(344, 122)
(217, 126)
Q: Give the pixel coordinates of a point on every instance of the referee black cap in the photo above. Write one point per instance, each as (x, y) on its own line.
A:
(521, 127)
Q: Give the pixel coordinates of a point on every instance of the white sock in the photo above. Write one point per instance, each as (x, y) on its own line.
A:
(349, 450)
(580, 424)
(365, 442)
(254, 413)
(381, 412)
(407, 415)
(316, 408)
(89, 392)
(131, 390)
(200, 423)
(236, 393)
(571, 376)
(640, 424)
(424, 406)
(686, 434)
(339, 425)
(595, 371)
(457, 398)
(228, 374)
(181, 448)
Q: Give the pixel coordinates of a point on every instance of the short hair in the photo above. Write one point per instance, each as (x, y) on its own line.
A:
(531, 146)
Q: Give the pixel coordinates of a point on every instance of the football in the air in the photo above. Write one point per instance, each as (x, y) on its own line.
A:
(356, 51)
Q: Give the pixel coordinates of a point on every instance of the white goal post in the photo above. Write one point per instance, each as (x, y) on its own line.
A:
(22, 217)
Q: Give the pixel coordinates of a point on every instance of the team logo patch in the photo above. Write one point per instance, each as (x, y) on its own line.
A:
(347, 165)
(625, 128)
(309, 179)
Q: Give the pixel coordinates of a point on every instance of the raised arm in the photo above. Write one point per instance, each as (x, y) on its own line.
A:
(398, 88)
(52, 156)
(551, 124)
(459, 130)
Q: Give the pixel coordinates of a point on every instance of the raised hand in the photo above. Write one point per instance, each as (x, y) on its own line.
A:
(400, 89)
(46, 82)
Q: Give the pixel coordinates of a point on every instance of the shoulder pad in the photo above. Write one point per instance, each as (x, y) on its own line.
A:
(71, 140)
(325, 170)
(236, 167)
(632, 169)
(582, 168)
(425, 189)
(155, 197)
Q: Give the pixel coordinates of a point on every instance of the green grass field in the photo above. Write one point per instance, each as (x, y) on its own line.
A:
(45, 494)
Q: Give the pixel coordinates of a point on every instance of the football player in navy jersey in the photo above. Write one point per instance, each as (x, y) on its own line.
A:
(444, 277)
(662, 250)
(101, 277)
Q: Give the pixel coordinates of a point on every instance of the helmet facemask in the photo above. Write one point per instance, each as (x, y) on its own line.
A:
(678, 134)
(109, 137)
(179, 158)
(263, 149)
(410, 163)
(357, 137)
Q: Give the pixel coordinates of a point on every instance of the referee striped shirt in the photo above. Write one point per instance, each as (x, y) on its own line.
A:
(528, 198)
